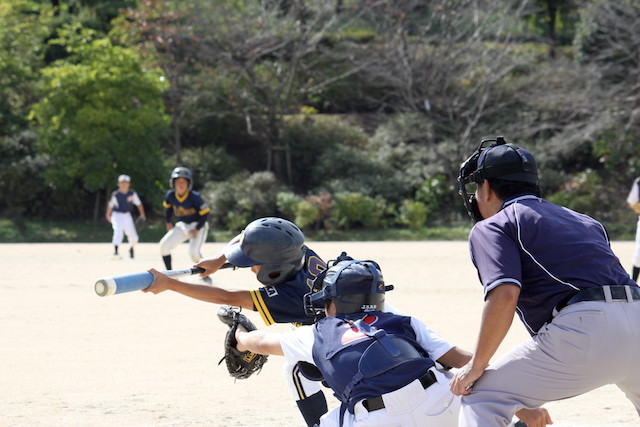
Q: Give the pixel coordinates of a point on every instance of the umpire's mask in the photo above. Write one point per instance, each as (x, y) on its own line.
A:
(494, 158)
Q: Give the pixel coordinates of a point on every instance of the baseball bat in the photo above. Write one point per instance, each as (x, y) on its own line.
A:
(136, 281)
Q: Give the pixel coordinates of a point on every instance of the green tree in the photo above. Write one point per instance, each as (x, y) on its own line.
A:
(101, 114)
(23, 26)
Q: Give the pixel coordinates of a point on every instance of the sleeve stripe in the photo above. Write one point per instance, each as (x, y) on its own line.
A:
(258, 302)
(204, 211)
(166, 205)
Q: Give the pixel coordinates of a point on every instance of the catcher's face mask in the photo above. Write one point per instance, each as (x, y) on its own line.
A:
(470, 176)
(354, 286)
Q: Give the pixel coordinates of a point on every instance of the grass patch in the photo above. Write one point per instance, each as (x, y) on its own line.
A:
(101, 232)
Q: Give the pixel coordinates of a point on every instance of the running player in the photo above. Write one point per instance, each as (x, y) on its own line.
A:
(381, 366)
(285, 267)
(191, 213)
(119, 214)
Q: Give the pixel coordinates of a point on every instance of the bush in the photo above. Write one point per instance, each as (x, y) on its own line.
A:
(412, 214)
(242, 198)
(207, 164)
(582, 193)
(287, 204)
(301, 211)
(358, 210)
(312, 138)
(434, 193)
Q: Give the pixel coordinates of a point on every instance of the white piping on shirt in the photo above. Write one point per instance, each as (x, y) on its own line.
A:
(515, 211)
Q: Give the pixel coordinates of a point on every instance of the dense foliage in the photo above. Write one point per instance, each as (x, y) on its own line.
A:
(339, 114)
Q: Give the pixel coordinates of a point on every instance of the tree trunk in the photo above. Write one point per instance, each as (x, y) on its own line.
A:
(96, 207)
(552, 10)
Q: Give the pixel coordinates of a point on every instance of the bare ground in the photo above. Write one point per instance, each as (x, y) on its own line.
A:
(71, 358)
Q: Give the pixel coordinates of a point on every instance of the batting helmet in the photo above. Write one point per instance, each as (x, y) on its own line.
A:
(494, 158)
(274, 243)
(181, 172)
(353, 286)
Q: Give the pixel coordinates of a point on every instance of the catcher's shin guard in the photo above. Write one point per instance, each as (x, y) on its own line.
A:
(312, 408)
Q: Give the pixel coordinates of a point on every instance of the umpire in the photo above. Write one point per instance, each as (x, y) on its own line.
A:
(556, 269)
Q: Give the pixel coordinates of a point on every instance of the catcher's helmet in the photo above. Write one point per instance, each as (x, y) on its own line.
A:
(181, 172)
(274, 243)
(494, 158)
(353, 286)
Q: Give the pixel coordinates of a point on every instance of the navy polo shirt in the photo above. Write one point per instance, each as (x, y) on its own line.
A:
(549, 251)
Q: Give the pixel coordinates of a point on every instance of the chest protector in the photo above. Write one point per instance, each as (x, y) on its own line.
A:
(356, 354)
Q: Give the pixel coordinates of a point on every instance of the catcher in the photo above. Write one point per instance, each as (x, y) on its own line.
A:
(381, 366)
(274, 249)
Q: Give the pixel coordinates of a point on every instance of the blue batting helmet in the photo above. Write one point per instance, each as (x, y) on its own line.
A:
(274, 243)
(181, 172)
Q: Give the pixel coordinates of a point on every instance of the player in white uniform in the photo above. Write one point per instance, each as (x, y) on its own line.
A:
(633, 199)
(381, 366)
(119, 214)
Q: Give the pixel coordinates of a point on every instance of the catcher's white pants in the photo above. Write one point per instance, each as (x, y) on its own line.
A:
(299, 386)
(180, 233)
(122, 223)
(412, 405)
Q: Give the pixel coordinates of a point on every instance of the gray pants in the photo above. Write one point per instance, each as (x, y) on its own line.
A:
(587, 345)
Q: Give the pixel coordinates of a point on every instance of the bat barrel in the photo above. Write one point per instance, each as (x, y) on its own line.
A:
(135, 282)
(105, 287)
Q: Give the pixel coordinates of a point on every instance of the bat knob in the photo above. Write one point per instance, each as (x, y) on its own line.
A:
(105, 287)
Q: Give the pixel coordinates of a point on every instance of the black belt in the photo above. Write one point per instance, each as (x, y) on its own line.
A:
(618, 293)
(375, 403)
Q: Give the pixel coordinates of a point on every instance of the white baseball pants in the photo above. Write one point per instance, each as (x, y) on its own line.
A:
(122, 223)
(412, 405)
(299, 386)
(180, 233)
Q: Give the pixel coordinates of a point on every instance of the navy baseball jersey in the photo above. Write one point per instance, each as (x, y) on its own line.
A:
(549, 251)
(284, 303)
(124, 202)
(339, 346)
(188, 208)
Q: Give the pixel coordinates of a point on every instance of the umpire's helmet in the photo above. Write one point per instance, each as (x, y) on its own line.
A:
(354, 287)
(496, 159)
(181, 172)
(274, 243)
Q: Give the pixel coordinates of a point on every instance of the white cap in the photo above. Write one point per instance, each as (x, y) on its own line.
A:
(124, 178)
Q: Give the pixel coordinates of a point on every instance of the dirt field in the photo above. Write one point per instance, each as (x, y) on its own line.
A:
(71, 358)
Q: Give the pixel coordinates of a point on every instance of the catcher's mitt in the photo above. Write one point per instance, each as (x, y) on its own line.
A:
(140, 223)
(240, 364)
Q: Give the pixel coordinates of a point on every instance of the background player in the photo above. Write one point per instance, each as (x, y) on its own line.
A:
(119, 214)
(274, 249)
(191, 213)
(380, 365)
(555, 267)
(633, 199)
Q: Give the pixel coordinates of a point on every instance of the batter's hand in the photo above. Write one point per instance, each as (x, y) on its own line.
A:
(160, 282)
(463, 380)
(538, 417)
(169, 226)
(211, 265)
